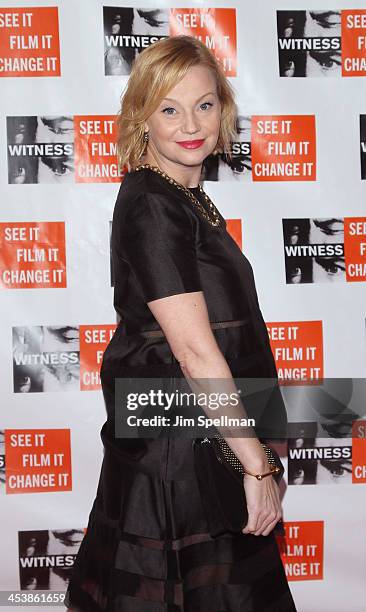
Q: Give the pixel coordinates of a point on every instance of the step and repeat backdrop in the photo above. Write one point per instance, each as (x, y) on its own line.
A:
(294, 199)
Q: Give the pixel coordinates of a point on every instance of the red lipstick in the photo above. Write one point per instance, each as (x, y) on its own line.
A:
(191, 144)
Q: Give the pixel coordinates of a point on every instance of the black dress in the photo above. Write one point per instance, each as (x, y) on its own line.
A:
(148, 547)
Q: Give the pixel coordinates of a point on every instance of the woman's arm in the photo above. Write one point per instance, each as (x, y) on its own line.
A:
(184, 320)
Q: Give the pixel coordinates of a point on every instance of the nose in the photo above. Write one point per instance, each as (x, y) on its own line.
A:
(190, 123)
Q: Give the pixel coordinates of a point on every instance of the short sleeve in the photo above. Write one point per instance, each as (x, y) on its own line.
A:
(158, 243)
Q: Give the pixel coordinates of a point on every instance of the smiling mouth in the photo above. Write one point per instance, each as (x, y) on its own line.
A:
(191, 144)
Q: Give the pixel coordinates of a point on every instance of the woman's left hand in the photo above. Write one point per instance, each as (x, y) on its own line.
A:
(263, 503)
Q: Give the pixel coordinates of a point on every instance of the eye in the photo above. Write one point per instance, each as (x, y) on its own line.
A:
(205, 104)
(332, 266)
(155, 23)
(327, 21)
(327, 61)
(168, 108)
(299, 473)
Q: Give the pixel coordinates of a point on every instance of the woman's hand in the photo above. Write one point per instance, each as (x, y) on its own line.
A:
(263, 503)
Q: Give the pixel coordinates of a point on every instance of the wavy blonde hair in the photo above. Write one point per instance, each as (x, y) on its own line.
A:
(155, 71)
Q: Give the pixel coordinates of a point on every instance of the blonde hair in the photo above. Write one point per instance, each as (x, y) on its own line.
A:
(155, 71)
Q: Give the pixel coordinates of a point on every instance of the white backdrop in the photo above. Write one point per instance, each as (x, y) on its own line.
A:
(43, 399)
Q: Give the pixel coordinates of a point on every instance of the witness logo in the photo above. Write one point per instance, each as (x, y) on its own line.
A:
(322, 43)
(29, 42)
(37, 460)
(127, 31)
(317, 460)
(62, 149)
(46, 358)
(325, 250)
(59, 358)
(339, 458)
(40, 149)
(46, 558)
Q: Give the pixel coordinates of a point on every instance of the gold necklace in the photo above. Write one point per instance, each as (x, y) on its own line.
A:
(214, 219)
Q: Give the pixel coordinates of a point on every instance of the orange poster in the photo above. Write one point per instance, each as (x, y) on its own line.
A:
(94, 339)
(37, 460)
(29, 42)
(234, 228)
(297, 347)
(355, 248)
(32, 255)
(96, 150)
(302, 549)
(283, 148)
(359, 452)
(215, 27)
(353, 23)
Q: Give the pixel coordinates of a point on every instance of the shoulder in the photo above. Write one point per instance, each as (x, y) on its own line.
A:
(145, 181)
(139, 181)
(146, 195)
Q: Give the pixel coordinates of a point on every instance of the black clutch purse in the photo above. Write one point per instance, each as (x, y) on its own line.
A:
(220, 480)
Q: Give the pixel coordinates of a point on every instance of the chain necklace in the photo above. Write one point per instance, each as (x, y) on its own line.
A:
(214, 219)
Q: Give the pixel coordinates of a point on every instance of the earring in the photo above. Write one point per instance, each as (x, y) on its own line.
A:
(146, 136)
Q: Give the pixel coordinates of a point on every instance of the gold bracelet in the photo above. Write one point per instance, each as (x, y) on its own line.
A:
(274, 469)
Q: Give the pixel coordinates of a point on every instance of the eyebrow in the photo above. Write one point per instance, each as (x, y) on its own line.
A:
(206, 94)
(149, 11)
(323, 15)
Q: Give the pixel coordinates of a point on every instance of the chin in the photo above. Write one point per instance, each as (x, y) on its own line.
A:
(191, 161)
(195, 156)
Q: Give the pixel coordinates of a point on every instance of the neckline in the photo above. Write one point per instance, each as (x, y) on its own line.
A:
(194, 189)
(179, 192)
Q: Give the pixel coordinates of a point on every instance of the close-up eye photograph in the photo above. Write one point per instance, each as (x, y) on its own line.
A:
(183, 269)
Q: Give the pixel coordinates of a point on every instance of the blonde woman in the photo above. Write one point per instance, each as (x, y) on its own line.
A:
(177, 272)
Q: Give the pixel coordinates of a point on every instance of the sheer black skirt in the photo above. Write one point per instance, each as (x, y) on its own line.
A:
(148, 548)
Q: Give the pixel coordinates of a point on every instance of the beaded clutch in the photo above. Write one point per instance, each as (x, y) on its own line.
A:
(220, 481)
(224, 453)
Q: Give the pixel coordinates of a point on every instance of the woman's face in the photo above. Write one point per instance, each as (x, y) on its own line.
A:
(190, 111)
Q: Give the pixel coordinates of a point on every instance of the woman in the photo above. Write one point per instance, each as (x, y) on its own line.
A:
(177, 273)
